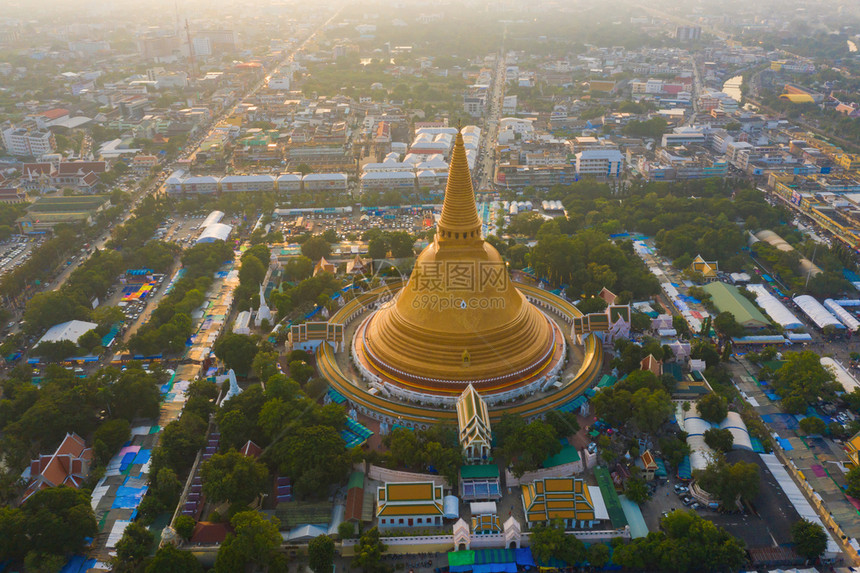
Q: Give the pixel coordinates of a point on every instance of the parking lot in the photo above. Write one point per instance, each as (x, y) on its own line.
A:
(17, 250)
(413, 221)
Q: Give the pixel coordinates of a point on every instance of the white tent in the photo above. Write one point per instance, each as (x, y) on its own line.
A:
(736, 426)
(848, 382)
(215, 232)
(816, 312)
(843, 315)
(67, 331)
(774, 308)
(483, 508)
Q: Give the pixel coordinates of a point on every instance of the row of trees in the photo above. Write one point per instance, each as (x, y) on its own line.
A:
(525, 446)
(170, 324)
(35, 419)
(300, 438)
(587, 261)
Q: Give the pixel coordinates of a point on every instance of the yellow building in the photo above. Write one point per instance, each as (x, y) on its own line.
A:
(414, 504)
(486, 525)
(849, 162)
(852, 446)
(474, 423)
(568, 499)
(708, 269)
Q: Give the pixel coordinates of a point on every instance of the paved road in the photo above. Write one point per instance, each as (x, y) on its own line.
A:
(486, 157)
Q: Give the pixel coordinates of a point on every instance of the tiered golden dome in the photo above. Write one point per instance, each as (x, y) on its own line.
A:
(459, 319)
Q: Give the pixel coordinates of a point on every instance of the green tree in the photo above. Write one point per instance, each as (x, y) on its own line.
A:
(89, 340)
(810, 539)
(551, 542)
(301, 371)
(369, 552)
(713, 408)
(377, 248)
(237, 351)
(316, 248)
(401, 244)
(133, 547)
(853, 479)
(534, 443)
(233, 477)
(169, 559)
(346, 530)
(802, 376)
(254, 543)
(252, 272)
(109, 437)
(321, 554)
(651, 409)
(56, 351)
(719, 439)
(686, 543)
(134, 394)
(680, 325)
(598, 555)
(184, 526)
(179, 443)
(636, 490)
(52, 307)
(314, 456)
(298, 268)
(730, 482)
(674, 449)
(726, 325)
(265, 364)
(56, 521)
(812, 425)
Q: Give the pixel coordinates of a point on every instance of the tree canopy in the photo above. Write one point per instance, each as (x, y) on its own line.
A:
(729, 482)
(53, 522)
(686, 543)
(802, 380)
(713, 408)
(233, 477)
(254, 542)
(321, 554)
(551, 542)
(810, 539)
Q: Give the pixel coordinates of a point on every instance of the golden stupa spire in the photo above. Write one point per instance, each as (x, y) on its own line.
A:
(459, 213)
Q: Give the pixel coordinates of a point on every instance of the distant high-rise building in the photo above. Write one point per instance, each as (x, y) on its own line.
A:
(219, 41)
(687, 33)
(27, 140)
(156, 45)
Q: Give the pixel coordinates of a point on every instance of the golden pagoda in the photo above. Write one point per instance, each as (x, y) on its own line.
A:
(459, 320)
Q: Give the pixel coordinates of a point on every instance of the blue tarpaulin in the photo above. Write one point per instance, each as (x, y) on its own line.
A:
(126, 461)
(128, 497)
(77, 564)
(524, 557)
(142, 457)
(495, 568)
(785, 444)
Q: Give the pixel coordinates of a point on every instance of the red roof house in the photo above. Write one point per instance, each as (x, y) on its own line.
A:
(69, 465)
